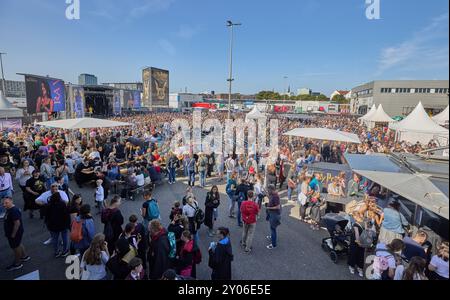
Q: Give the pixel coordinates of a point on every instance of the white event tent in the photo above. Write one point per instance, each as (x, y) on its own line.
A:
(442, 117)
(255, 114)
(324, 134)
(379, 117)
(419, 127)
(371, 112)
(83, 123)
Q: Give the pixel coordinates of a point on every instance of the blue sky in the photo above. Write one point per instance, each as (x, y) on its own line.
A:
(320, 44)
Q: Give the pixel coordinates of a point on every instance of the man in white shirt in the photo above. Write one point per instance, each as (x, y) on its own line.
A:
(230, 165)
(43, 199)
(6, 188)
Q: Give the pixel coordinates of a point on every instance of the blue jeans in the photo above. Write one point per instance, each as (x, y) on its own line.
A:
(273, 235)
(171, 174)
(202, 178)
(191, 178)
(65, 239)
(66, 179)
(289, 193)
(186, 171)
(238, 217)
(229, 175)
(4, 194)
(232, 203)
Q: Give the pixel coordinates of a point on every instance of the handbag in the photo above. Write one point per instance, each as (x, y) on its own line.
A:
(302, 198)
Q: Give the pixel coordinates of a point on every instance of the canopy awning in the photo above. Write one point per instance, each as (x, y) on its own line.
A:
(442, 117)
(255, 114)
(325, 134)
(83, 123)
(416, 188)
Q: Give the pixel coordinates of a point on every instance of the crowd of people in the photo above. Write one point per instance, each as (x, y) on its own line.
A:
(119, 163)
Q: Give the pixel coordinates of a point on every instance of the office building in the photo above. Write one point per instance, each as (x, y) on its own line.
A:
(400, 97)
(87, 79)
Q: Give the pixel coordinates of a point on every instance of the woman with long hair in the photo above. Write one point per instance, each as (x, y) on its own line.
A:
(95, 258)
(438, 266)
(212, 202)
(44, 102)
(416, 269)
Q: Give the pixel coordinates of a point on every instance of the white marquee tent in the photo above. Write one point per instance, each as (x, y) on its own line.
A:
(324, 134)
(370, 113)
(442, 117)
(380, 116)
(7, 110)
(83, 123)
(419, 127)
(255, 114)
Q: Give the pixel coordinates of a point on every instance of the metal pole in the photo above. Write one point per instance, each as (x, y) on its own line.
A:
(3, 75)
(230, 79)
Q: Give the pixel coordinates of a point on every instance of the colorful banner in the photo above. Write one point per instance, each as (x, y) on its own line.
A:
(78, 102)
(117, 102)
(10, 124)
(45, 95)
(137, 99)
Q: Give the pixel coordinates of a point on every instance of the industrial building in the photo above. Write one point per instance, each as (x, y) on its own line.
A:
(400, 97)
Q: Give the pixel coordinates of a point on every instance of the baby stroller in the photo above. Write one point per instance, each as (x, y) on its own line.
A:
(339, 241)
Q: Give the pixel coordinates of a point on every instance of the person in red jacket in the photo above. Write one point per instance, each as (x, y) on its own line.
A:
(249, 212)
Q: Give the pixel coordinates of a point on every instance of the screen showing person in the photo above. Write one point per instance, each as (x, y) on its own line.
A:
(44, 102)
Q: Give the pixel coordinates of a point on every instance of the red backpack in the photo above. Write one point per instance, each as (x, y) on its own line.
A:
(76, 231)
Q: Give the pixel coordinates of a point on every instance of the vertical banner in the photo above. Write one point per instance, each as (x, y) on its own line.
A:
(159, 86)
(117, 99)
(137, 99)
(78, 102)
(146, 79)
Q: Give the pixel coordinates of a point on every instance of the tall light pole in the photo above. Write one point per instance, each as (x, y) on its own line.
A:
(230, 79)
(3, 75)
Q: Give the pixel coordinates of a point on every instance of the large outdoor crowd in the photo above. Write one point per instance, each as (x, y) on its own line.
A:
(119, 163)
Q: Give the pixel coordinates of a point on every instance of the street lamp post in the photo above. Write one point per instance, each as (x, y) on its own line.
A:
(3, 75)
(230, 79)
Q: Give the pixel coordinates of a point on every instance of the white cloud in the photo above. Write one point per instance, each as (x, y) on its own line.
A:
(128, 10)
(187, 32)
(167, 46)
(427, 49)
(149, 6)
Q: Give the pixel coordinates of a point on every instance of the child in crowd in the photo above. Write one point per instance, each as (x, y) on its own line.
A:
(176, 210)
(99, 196)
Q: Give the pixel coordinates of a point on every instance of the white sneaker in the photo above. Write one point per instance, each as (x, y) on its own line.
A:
(351, 269)
(360, 273)
(48, 242)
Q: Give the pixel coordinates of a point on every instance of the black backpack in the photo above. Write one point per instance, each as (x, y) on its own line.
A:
(199, 215)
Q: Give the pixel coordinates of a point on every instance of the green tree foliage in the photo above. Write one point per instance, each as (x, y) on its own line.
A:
(340, 99)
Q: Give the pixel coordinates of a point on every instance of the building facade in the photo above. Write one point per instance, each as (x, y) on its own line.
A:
(15, 92)
(183, 101)
(87, 79)
(303, 91)
(135, 86)
(400, 97)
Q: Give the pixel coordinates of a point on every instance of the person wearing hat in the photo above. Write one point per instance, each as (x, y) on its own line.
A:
(393, 223)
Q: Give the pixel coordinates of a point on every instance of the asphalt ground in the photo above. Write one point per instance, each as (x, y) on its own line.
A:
(299, 255)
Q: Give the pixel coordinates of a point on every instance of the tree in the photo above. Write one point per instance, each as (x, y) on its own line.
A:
(340, 99)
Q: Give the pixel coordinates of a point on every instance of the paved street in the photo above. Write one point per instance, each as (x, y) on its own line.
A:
(298, 256)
